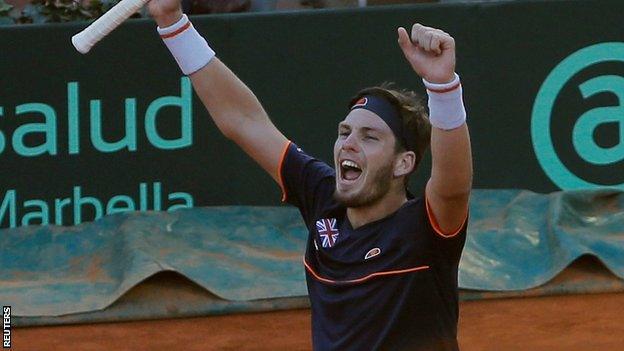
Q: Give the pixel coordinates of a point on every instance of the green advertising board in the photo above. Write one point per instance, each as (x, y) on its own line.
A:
(120, 129)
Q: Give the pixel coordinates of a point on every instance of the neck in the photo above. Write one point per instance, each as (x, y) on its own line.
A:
(390, 203)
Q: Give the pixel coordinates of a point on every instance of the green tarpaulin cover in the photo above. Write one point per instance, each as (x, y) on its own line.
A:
(516, 240)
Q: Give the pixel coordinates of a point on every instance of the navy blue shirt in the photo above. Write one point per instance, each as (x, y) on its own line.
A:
(388, 285)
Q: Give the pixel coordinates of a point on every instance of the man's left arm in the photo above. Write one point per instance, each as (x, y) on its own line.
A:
(448, 188)
(431, 53)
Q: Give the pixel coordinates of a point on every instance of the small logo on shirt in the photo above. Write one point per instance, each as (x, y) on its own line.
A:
(372, 253)
(328, 232)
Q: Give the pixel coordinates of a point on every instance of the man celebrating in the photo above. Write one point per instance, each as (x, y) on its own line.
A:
(381, 266)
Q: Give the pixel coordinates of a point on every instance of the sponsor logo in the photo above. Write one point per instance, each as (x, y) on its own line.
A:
(590, 82)
(360, 103)
(372, 253)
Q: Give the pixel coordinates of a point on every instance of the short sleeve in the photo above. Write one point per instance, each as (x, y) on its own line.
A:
(306, 182)
(448, 245)
(436, 228)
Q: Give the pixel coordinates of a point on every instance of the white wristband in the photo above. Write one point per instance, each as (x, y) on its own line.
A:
(446, 107)
(189, 49)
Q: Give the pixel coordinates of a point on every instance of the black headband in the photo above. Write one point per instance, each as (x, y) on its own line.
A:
(389, 114)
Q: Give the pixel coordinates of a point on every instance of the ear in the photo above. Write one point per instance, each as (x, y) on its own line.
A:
(404, 163)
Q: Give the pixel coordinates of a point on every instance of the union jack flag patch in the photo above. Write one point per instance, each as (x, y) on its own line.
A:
(328, 232)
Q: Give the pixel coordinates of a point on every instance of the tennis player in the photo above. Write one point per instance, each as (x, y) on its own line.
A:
(381, 266)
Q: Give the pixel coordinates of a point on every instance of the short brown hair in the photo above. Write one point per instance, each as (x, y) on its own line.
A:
(412, 112)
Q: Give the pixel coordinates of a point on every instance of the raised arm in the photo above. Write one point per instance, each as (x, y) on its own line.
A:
(234, 108)
(431, 53)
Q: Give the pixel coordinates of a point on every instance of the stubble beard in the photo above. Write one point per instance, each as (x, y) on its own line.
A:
(379, 187)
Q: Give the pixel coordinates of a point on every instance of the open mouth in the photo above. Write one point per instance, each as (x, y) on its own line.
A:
(349, 170)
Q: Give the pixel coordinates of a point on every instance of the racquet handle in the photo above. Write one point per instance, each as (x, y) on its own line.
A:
(84, 41)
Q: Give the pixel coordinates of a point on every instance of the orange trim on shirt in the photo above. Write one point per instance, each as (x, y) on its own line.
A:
(177, 31)
(363, 279)
(436, 227)
(280, 181)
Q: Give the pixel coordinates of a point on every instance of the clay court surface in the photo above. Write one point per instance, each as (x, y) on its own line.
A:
(570, 322)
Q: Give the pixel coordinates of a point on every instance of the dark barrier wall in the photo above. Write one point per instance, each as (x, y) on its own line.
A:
(120, 129)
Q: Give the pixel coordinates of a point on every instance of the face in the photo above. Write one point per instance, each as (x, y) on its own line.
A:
(364, 156)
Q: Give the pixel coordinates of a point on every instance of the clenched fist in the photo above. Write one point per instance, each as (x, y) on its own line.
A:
(430, 52)
(165, 12)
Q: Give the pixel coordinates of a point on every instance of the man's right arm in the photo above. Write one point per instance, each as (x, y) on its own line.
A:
(234, 108)
(239, 115)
